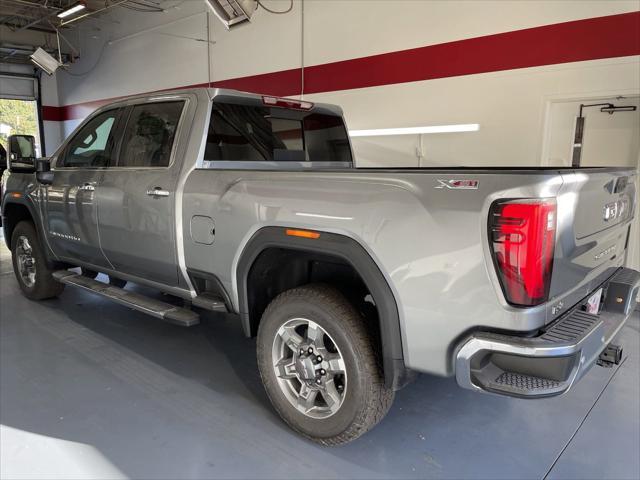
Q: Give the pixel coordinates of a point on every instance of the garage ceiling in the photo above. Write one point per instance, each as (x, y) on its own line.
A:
(28, 24)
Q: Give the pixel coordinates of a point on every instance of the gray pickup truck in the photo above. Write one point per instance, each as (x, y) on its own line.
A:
(352, 279)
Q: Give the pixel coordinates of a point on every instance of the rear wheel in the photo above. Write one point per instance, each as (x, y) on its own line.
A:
(30, 264)
(318, 364)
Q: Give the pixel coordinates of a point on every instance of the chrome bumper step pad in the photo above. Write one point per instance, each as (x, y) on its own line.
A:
(551, 362)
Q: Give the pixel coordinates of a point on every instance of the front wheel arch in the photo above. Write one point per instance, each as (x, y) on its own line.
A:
(13, 213)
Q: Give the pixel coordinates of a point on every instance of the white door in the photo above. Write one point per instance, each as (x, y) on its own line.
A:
(608, 139)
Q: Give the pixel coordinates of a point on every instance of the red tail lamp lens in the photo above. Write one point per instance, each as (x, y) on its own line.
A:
(523, 235)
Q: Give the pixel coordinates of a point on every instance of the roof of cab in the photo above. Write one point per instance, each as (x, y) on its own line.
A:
(258, 97)
(212, 93)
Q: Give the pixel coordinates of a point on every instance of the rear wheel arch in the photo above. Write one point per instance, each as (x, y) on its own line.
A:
(328, 249)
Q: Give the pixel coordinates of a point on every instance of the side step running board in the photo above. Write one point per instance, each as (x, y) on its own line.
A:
(162, 310)
(209, 302)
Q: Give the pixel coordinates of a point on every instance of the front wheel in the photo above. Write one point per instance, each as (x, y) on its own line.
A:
(30, 264)
(318, 365)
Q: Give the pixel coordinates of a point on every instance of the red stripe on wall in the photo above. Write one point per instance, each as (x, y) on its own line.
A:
(52, 114)
(580, 40)
(285, 82)
(592, 39)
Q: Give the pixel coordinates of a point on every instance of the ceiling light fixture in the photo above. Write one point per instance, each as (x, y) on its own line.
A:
(45, 61)
(232, 13)
(465, 127)
(75, 8)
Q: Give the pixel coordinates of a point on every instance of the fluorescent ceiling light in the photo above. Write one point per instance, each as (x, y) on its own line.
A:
(72, 9)
(464, 127)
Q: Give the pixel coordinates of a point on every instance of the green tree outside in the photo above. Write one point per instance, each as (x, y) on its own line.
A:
(20, 117)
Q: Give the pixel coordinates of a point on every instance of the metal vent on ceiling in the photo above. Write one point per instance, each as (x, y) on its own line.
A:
(232, 12)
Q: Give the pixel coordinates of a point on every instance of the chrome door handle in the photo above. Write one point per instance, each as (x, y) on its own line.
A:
(157, 192)
(87, 187)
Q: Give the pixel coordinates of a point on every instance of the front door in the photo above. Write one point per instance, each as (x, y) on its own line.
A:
(71, 212)
(136, 198)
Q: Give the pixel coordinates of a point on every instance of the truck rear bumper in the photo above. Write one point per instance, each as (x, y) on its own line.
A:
(550, 363)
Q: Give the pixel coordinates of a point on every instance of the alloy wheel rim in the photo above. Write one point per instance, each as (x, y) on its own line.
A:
(26, 261)
(309, 368)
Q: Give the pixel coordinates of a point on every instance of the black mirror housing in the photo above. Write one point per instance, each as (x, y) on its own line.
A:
(43, 165)
(22, 153)
(44, 175)
(45, 178)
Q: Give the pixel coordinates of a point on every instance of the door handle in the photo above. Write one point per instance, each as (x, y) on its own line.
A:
(87, 187)
(158, 192)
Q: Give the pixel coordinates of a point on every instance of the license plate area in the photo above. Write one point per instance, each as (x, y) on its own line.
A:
(593, 303)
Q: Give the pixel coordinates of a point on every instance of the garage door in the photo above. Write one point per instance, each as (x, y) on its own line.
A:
(18, 88)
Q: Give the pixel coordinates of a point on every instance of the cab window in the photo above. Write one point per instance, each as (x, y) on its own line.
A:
(261, 133)
(149, 134)
(92, 146)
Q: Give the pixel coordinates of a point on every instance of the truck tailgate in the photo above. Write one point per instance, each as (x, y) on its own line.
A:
(595, 210)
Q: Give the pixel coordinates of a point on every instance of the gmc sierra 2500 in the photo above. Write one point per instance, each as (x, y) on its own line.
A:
(353, 279)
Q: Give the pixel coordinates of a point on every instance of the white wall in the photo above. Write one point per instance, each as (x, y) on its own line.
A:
(509, 106)
(53, 130)
(127, 52)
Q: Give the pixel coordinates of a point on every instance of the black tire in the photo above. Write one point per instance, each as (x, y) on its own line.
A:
(44, 285)
(89, 273)
(117, 282)
(366, 400)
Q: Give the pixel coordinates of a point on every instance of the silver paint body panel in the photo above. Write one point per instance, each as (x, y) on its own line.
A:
(431, 244)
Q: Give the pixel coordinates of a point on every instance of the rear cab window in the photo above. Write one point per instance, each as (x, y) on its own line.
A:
(260, 135)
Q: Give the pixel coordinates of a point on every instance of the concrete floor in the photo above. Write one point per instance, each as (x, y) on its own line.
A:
(90, 389)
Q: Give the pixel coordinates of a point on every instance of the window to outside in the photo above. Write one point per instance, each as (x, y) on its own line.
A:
(93, 144)
(18, 117)
(250, 133)
(149, 134)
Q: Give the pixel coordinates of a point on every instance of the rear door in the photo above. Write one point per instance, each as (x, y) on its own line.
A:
(136, 199)
(71, 210)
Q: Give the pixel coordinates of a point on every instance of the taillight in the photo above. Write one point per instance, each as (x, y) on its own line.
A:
(522, 236)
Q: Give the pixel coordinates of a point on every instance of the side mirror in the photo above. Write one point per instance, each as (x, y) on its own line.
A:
(44, 175)
(22, 153)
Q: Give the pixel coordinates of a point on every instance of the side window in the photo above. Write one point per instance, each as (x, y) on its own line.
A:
(149, 134)
(93, 144)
